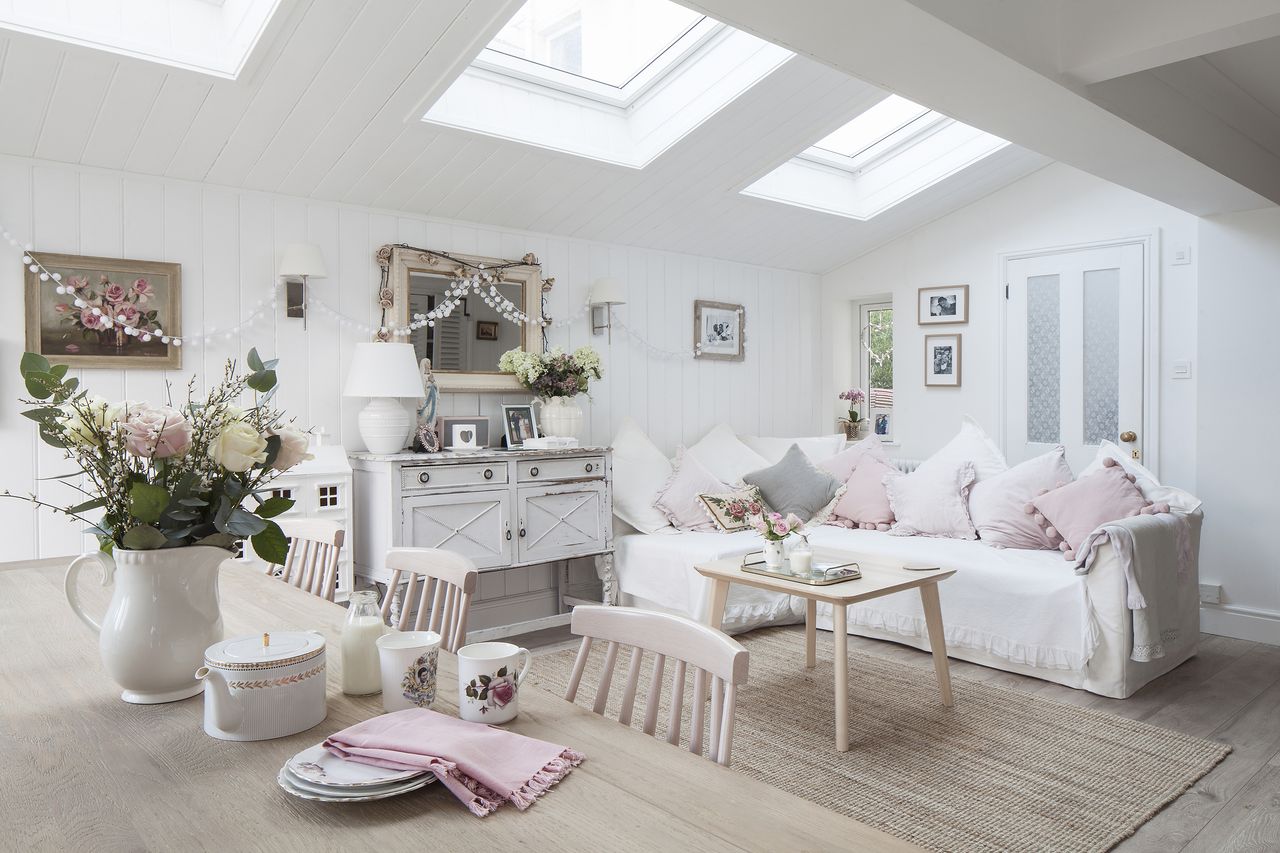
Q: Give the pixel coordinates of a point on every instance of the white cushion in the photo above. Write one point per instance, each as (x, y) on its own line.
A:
(971, 444)
(1147, 483)
(818, 447)
(640, 470)
(724, 455)
(678, 498)
(932, 501)
(998, 505)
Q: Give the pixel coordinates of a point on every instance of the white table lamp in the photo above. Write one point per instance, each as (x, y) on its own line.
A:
(383, 372)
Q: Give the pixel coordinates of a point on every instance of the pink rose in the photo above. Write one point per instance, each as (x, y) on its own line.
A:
(781, 528)
(502, 691)
(156, 431)
(143, 290)
(129, 315)
(113, 293)
(90, 320)
(77, 282)
(793, 521)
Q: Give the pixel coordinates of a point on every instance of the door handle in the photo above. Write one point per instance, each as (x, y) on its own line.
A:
(1128, 436)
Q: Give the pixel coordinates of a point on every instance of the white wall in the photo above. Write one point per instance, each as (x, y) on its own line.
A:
(1055, 206)
(229, 242)
(1238, 460)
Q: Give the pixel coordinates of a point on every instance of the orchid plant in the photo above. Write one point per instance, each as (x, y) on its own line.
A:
(854, 396)
(554, 373)
(167, 477)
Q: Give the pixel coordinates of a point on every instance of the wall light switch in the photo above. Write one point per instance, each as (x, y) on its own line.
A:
(1181, 255)
(1181, 370)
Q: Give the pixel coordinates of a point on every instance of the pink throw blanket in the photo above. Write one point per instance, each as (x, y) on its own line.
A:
(482, 765)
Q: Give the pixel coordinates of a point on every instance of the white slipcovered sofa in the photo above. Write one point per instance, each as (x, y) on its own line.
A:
(1023, 611)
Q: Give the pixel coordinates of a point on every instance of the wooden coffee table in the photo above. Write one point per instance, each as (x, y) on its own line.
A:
(877, 579)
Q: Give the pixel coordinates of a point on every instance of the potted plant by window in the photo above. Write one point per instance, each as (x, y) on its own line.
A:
(555, 378)
(853, 424)
(169, 493)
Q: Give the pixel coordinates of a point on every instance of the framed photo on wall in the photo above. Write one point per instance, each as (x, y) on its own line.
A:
(520, 424)
(115, 295)
(942, 360)
(938, 306)
(463, 434)
(486, 330)
(718, 330)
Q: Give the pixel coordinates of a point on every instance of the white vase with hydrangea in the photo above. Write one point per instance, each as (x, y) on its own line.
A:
(555, 378)
(170, 492)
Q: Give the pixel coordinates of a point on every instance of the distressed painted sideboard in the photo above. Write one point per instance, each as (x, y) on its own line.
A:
(504, 509)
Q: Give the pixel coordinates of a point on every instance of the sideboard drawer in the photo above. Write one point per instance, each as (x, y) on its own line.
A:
(576, 468)
(419, 477)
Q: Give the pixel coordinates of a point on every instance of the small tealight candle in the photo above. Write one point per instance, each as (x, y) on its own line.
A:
(801, 562)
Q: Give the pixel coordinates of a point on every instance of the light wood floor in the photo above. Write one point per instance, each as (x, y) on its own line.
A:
(1229, 692)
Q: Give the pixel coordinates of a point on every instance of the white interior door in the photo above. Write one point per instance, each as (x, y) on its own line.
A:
(1074, 346)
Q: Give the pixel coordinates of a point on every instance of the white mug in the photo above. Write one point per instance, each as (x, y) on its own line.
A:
(488, 684)
(408, 660)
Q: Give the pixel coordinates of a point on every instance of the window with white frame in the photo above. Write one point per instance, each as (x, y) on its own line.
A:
(875, 351)
(328, 497)
(287, 494)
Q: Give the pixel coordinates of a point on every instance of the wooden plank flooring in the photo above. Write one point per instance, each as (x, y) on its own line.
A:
(1229, 692)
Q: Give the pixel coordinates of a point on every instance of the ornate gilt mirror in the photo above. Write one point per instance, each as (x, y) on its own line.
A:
(464, 346)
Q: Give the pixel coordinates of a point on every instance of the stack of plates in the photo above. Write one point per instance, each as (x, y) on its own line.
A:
(317, 774)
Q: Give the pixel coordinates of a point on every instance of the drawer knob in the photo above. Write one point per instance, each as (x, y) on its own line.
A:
(533, 472)
(590, 467)
(424, 477)
(488, 473)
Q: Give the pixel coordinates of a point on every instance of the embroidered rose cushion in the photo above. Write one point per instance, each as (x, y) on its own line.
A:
(733, 511)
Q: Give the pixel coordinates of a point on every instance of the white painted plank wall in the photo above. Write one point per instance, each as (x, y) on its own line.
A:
(229, 243)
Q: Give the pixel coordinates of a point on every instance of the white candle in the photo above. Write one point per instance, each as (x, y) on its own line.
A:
(361, 672)
(801, 562)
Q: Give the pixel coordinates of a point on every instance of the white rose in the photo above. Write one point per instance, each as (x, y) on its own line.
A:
(83, 429)
(293, 449)
(238, 447)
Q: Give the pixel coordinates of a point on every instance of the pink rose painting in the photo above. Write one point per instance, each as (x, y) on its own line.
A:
(137, 306)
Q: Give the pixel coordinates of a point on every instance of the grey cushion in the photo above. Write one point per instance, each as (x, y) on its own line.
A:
(795, 485)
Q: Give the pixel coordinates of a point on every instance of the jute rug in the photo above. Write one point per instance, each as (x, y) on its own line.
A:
(1002, 770)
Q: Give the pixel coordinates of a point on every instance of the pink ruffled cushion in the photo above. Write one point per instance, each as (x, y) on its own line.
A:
(865, 502)
(998, 504)
(1070, 513)
(678, 500)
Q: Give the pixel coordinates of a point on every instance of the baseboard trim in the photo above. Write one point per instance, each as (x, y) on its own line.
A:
(1243, 623)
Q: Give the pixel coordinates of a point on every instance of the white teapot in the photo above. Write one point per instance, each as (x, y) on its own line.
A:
(264, 686)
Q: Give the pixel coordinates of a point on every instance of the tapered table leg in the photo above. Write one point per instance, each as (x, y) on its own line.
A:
(937, 641)
(839, 616)
(715, 609)
(810, 633)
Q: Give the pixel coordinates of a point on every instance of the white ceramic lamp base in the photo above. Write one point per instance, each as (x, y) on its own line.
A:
(384, 425)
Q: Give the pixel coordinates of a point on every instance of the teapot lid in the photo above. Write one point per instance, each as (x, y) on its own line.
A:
(267, 650)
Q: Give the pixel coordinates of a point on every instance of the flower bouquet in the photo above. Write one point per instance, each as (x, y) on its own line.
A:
(168, 477)
(554, 373)
(775, 528)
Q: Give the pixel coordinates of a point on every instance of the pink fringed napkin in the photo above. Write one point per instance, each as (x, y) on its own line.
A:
(483, 766)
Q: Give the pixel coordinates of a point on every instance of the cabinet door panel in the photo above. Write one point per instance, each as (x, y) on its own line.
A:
(474, 524)
(561, 521)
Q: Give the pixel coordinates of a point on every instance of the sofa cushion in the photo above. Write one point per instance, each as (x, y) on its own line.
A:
(842, 464)
(998, 504)
(865, 502)
(733, 511)
(678, 497)
(725, 456)
(970, 444)
(794, 485)
(932, 501)
(640, 470)
(817, 448)
(1152, 489)
(1070, 513)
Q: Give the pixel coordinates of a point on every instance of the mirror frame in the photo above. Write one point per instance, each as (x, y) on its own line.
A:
(405, 260)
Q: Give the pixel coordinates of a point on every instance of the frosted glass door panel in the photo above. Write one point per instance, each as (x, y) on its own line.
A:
(1044, 353)
(1101, 355)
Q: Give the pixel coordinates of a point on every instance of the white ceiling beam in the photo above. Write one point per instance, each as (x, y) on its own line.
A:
(899, 47)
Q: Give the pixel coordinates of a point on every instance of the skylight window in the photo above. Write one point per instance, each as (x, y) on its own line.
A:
(877, 124)
(606, 42)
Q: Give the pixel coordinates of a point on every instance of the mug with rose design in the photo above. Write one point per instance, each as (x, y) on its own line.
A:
(488, 681)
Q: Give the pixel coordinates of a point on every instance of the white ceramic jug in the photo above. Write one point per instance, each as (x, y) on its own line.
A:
(164, 613)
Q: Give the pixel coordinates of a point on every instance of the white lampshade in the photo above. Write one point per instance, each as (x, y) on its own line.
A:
(302, 259)
(384, 370)
(608, 291)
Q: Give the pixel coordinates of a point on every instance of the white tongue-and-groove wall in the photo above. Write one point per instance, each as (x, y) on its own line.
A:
(229, 242)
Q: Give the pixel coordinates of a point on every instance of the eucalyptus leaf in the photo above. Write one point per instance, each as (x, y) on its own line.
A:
(244, 523)
(33, 363)
(271, 544)
(41, 385)
(218, 540)
(254, 360)
(182, 533)
(262, 381)
(44, 413)
(52, 437)
(143, 538)
(272, 507)
(147, 502)
(273, 450)
(193, 501)
(88, 505)
(182, 515)
(59, 371)
(224, 512)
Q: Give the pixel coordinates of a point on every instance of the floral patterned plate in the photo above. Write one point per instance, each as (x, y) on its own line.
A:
(344, 793)
(320, 766)
(377, 794)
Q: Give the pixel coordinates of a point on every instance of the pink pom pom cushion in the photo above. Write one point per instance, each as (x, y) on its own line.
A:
(678, 499)
(865, 502)
(998, 504)
(1070, 513)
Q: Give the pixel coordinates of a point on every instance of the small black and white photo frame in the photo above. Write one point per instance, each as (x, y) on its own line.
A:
(939, 306)
(464, 434)
(519, 423)
(942, 361)
(718, 330)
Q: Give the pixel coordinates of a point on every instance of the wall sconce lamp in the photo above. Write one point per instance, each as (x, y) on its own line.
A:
(605, 293)
(299, 262)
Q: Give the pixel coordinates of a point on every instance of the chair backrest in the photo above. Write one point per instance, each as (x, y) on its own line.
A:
(312, 561)
(448, 581)
(710, 652)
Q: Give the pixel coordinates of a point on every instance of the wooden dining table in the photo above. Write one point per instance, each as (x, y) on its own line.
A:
(83, 770)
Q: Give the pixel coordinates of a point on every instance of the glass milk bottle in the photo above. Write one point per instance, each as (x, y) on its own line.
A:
(360, 672)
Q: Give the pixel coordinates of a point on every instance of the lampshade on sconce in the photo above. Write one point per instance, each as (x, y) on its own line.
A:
(605, 293)
(383, 372)
(299, 262)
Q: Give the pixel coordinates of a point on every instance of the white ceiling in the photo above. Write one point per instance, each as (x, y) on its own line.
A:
(329, 110)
